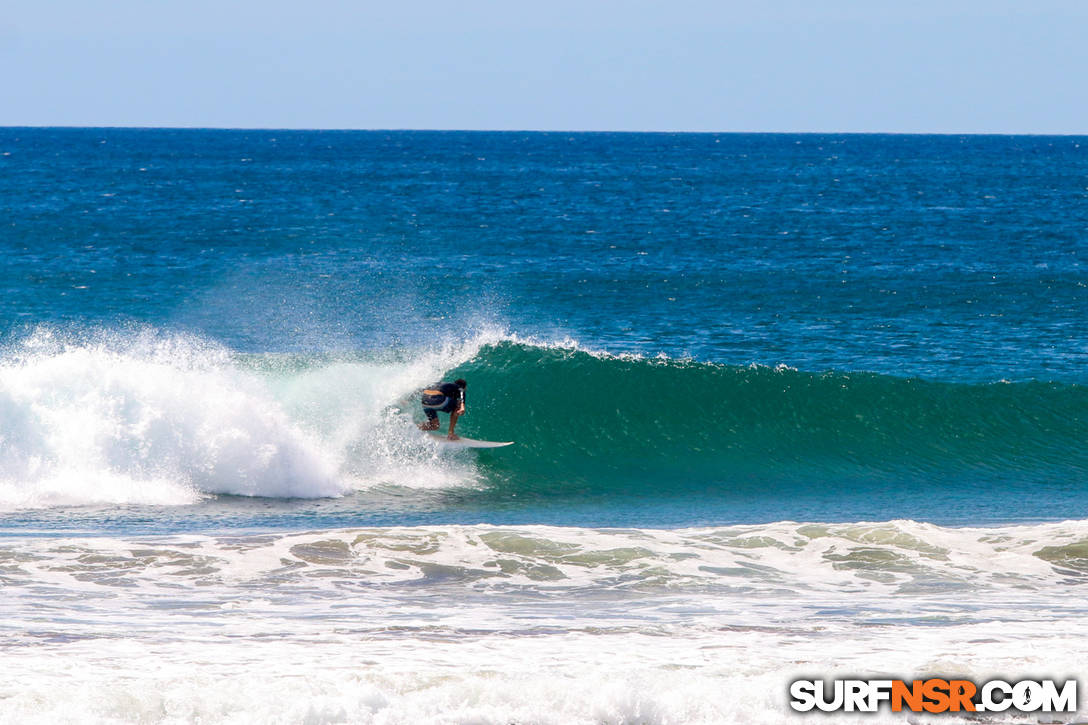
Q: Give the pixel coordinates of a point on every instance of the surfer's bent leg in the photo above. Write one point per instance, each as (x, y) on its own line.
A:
(432, 420)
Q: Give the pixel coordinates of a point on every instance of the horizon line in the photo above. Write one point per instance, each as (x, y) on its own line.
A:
(138, 127)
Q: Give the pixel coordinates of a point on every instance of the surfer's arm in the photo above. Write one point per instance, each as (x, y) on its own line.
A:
(453, 422)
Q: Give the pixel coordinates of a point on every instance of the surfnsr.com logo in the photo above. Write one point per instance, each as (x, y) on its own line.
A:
(933, 695)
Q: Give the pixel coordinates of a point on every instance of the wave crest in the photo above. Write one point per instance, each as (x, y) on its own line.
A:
(582, 417)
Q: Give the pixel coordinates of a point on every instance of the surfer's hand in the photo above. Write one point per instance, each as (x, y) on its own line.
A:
(461, 410)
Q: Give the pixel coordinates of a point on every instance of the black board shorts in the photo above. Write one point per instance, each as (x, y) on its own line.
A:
(435, 404)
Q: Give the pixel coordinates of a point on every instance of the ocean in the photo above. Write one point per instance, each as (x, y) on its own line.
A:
(784, 406)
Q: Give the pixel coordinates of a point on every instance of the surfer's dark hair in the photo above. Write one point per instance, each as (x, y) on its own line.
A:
(460, 382)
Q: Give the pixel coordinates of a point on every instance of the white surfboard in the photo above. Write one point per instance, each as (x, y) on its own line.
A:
(469, 442)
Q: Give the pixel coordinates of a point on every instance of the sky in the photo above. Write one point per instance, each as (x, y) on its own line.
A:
(964, 66)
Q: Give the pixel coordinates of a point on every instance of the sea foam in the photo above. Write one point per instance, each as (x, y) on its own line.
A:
(528, 624)
(144, 417)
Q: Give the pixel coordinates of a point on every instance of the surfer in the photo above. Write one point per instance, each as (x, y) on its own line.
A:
(444, 398)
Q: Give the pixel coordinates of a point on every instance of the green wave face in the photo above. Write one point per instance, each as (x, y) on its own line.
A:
(584, 421)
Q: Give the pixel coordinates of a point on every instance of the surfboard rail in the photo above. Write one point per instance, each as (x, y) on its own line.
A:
(469, 442)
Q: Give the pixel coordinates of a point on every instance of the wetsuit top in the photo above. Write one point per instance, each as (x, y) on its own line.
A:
(452, 391)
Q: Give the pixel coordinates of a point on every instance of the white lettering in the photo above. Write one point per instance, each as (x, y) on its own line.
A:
(856, 696)
(989, 703)
(835, 702)
(803, 693)
(879, 691)
(1064, 701)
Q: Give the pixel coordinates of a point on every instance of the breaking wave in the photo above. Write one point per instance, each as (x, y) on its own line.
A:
(146, 417)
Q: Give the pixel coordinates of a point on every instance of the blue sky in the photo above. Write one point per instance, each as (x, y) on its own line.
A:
(682, 65)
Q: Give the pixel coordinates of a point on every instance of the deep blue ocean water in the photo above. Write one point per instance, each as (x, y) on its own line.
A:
(808, 275)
